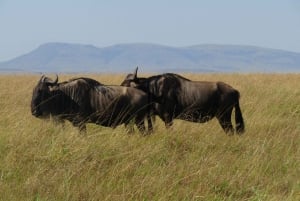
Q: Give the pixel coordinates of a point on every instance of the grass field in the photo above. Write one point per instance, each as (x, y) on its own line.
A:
(42, 161)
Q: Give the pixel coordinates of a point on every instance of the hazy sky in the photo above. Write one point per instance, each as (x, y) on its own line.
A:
(26, 24)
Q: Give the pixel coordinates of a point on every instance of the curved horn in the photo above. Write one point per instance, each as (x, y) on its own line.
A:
(56, 79)
(49, 80)
(135, 72)
(42, 79)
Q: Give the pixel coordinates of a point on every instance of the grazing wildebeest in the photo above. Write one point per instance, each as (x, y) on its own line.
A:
(197, 101)
(84, 100)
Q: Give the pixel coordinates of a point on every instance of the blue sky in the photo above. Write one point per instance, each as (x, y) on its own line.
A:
(267, 23)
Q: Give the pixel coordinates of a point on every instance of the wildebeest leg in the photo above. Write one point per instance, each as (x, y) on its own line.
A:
(149, 121)
(129, 127)
(168, 120)
(59, 121)
(139, 122)
(225, 121)
(80, 124)
(82, 129)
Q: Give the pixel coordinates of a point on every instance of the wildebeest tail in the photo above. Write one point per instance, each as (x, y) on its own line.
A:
(240, 126)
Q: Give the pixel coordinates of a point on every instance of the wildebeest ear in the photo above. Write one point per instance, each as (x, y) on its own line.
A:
(135, 72)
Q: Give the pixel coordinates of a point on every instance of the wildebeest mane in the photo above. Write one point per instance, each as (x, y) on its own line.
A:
(158, 85)
(77, 88)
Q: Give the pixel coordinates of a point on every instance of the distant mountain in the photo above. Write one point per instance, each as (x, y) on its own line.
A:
(62, 57)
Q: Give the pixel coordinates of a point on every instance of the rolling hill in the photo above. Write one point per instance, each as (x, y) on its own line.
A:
(63, 57)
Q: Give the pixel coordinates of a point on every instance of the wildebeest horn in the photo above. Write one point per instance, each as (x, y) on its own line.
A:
(56, 79)
(135, 72)
(49, 80)
(42, 78)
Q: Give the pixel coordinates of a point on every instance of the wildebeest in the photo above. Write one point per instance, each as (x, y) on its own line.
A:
(84, 100)
(196, 101)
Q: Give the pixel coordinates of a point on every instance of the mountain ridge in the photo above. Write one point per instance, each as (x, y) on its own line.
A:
(67, 57)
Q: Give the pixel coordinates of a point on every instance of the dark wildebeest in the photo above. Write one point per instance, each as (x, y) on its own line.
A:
(197, 101)
(84, 100)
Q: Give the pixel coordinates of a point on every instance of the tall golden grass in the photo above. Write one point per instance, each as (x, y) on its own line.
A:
(42, 161)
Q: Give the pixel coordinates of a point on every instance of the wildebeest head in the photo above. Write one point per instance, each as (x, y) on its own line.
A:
(131, 80)
(41, 96)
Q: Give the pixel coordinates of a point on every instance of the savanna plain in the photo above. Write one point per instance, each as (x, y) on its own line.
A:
(42, 161)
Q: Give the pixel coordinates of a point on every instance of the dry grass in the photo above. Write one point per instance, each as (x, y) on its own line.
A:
(42, 161)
